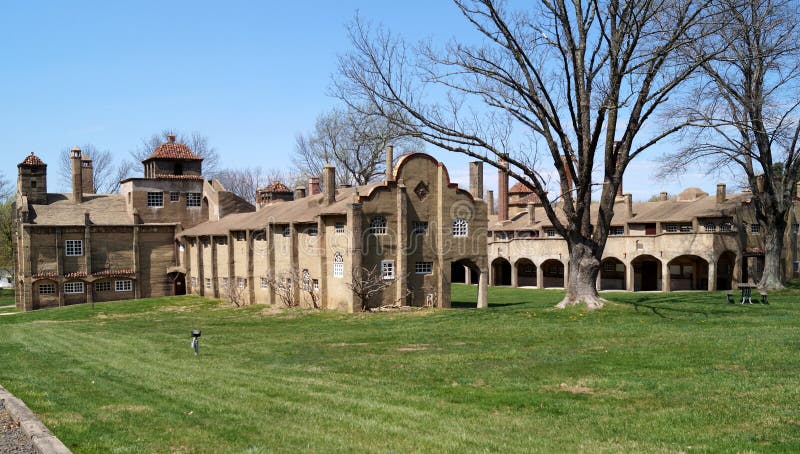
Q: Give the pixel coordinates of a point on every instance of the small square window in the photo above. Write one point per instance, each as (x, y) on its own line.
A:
(208, 282)
(339, 227)
(377, 225)
(312, 231)
(73, 287)
(419, 228)
(123, 286)
(174, 196)
(710, 227)
(225, 282)
(755, 228)
(616, 230)
(315, 284)
(672, 228)
(155, 199)
(241, 282)
(460, 226)
(686, 228)
(50, 289)
(102, 286)
(726, 227)
(238, 236)
(73, 248)
(387, 269)
(550, 232)
(193, 199)
(264, 282)
(423, 268)
(287, 232)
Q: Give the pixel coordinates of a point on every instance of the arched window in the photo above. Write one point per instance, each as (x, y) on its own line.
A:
(338, 265)
(459, 227)
(377, 225)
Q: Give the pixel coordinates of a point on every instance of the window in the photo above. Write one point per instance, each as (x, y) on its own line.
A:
(208, 282)
(419, 228)
(222, 241)
(423, 268)
(501, 235)
(312, 231)
(73, 287)
(306, 281)
(686, 228)
(287, 232)
(264, 282)
(671, 228)
(616, 230)
(241, 282)
(155, 199)
(50, 289)
(193, 199)
(73, 248)
(339, 227)
(556, 269)
(795, 268)
(315, 284)
(755, 228)
(239, 236)
(710, 227)
(551, 232)
(102, 286)
(387, 269)
(206, 242)
(609, 267)
(338, 265)
(123, 286)
(174, 196)
(459, 227)
(377, 226)
(726, 227)
(225, 282)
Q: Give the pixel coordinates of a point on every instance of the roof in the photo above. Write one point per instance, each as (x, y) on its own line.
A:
(173, 150)
(32, 160)
(104, 209)
(275, 186)
(303, 210)
(519, 188)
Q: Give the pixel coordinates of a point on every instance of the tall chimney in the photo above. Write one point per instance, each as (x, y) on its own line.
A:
(476, 179)
(490, 201)
(502, 189)
(77, 184)
(87, 175)
(619, 188)
(721, 193)
(313, 186)
(565, 163)
(629, 203)
(389, 163)
(531, 213)
(329, 184)
(299, 192)
(663, 196)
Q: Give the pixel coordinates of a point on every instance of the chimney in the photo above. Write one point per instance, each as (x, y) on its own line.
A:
(629, 204)
(299, 192)
(490, 201)
(86, 218)
(313, 186)
(760, 183)
(531, 213)
(389, 163)
(171, 138)
(87, 175)
(721, 193)
(502, 189)
(663, 196)
(476, 179)
(565, 163)
(329, 184)
(77, 184)
(619, 188)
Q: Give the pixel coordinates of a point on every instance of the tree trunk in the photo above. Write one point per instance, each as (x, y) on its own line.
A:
(772, 277)
(584, 266)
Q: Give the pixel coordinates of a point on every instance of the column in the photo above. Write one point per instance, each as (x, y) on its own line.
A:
(712, 276)
(665, 282)
(483, 290)
(514, 275)
(629, 277)
(137, 284)
(539, 277)
(467, 275)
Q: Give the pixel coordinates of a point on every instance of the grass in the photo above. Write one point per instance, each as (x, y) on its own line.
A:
(649, 373)
(7, 301)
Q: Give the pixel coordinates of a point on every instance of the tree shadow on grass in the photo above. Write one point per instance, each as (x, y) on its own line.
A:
(678, 305)
(474, 305)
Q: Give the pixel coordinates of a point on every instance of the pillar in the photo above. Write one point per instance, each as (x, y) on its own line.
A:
(712, 276)
(629, 277)
(483, 290)
(539, 276)
(137, 285)
(514, 277)
(467, 275)
(665, 282)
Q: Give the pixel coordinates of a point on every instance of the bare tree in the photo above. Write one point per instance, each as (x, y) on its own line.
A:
(354, 142)
(744, 113)
(104, 171)
(281, 285)
(367, 283)
(196, 142)
(235, 291)
(575, 81)
(245, 182)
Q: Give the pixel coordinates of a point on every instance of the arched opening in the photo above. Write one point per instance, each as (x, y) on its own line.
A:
(612, 274)
(688, 272)
(725, 266)
(463, 271)
(44, 294)
(526, 273)
(552, 274)
(501, 272)
(646, 273)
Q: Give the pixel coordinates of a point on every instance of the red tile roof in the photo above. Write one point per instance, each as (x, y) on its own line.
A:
(32, 160)
(275, 186)
(519, 188)
(173, 150)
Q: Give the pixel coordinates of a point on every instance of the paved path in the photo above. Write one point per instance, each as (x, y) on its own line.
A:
(12, 439)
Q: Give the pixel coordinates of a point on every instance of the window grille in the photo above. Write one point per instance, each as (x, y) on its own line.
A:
(73, 287)
(710, 227)
(339, 227)
(755, 228)
(419, 228)
(194, 199)
(123, 286)
(460, 227)
(73, 248)
(155, 199)
(377, 226)
(174, 196)
(50, 289)
(387, 269)
(338, 265)
(102, 286)
(423, 268)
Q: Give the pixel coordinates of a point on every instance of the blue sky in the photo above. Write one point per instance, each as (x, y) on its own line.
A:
(249, 75)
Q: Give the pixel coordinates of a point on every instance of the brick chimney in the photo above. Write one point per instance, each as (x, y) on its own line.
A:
(490, 201)
(531, 213)
(629, 204)
(329, 184)
(389, 163)
(476, 179)
(299, 192)
(502, 190)
(313, 186)
(77, 184)
(619, 188)
(87, 175)
(663, 196)
(721, 193)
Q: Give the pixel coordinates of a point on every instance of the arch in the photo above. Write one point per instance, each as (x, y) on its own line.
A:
(552, 274)
(526, 273)
(646, 273)
(612, 274)
(725, 270)
(468, 272)
(47, 296)
(501, 272)
(688, 272)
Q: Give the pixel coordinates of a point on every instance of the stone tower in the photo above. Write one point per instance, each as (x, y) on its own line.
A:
(32, 179)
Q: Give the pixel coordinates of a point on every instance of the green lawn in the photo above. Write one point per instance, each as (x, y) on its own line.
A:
(7, 301)
(649, 373)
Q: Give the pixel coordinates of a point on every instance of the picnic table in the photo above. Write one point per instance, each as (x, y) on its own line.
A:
(747, 292)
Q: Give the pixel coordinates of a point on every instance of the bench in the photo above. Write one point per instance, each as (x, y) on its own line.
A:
(764, 296)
